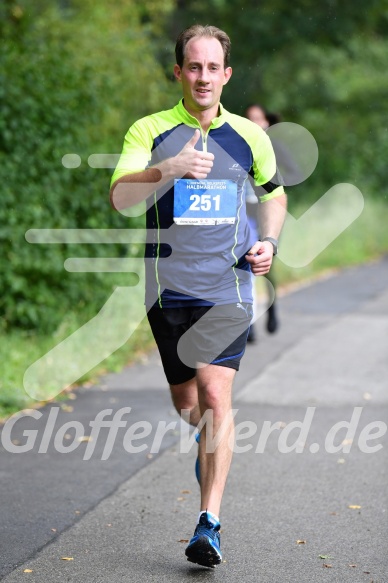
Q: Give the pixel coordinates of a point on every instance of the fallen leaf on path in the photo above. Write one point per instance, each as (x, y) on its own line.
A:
(67, 408)
(352, 565)
(300, 542)
(85, 438)
(87, 384)
(325, 557)
(366, 572)
(185, 492)
(183, 540)
(327, 566)
(77, 511)
(54, 529)
(67, 559)
(354, 506)
(347, 442)
(27, 571)
(341, 461)
(149, 456)
(180, 498)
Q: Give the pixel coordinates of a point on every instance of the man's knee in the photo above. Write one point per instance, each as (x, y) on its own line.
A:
(214, 398)
(215, 388)
(184, 395)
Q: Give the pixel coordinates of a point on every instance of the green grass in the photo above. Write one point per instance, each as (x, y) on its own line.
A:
(365, 240)
(23, 349)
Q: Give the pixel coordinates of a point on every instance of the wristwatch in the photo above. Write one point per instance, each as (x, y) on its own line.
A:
(274, 244)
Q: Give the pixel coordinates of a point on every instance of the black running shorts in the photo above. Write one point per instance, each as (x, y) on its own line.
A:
(191, 337)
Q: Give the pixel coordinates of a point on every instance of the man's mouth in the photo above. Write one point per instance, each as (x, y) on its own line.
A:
(202, 90)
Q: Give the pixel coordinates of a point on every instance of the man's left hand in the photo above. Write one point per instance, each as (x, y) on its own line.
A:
(260, 257)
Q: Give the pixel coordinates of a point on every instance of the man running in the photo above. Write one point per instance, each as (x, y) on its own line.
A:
(191, 164)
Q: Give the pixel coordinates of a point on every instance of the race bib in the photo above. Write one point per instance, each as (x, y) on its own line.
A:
(204, 202)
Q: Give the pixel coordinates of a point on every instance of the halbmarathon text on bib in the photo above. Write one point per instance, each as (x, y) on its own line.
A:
(204, 202)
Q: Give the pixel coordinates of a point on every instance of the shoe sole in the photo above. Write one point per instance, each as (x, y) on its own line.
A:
(203, 553)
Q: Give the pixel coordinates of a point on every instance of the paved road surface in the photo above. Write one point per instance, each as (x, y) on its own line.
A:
(122, 519)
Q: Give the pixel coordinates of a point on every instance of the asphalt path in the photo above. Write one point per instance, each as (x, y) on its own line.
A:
(307, 501)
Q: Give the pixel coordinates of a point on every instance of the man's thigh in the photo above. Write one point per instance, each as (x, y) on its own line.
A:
(192, 335)
(218, 338)
(168, 325)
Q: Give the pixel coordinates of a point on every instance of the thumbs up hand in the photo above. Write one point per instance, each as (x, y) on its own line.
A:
(192, 163)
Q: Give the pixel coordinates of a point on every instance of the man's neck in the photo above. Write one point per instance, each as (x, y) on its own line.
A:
(206, 116)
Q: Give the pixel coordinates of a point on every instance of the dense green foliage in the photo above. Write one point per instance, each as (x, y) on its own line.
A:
(68, 84)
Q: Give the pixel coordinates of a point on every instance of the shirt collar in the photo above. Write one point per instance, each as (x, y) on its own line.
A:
(192, 121)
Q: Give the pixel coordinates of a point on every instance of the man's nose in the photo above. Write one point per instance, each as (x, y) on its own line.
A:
(204, 76)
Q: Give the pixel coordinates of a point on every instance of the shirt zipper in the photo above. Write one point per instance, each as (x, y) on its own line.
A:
(204, 139)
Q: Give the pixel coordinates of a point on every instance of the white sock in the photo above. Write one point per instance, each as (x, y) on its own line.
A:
(212, 516)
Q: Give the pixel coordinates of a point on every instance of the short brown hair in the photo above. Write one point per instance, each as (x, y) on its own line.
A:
(200, 30)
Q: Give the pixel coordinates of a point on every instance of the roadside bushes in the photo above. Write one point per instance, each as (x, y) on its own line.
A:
(59, 96)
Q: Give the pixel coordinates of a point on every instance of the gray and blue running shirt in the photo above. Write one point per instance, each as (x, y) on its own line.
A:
(197, 230)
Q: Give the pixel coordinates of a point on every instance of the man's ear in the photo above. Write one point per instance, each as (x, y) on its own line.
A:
(177, 73)
(228, 74)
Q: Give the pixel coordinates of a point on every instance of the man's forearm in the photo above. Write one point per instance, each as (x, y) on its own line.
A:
(271, 216)
(134, 188)
(131, 189)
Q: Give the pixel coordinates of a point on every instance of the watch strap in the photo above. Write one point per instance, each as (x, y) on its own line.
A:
(274, 243)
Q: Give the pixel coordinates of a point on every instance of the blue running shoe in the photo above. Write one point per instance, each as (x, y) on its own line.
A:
(204, 547)
(197, 473)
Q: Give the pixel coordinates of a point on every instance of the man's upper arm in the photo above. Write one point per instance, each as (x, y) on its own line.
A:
(136, 153)
(268, 182)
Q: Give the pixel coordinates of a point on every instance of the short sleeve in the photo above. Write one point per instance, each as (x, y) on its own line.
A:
(136, 153)
(264, 168)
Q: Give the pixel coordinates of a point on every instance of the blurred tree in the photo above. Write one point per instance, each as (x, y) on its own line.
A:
(338, 94)
(71, 81)
(324, 65)
(261, 30)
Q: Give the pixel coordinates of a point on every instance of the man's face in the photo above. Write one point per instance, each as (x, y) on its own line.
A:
(203, 74)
